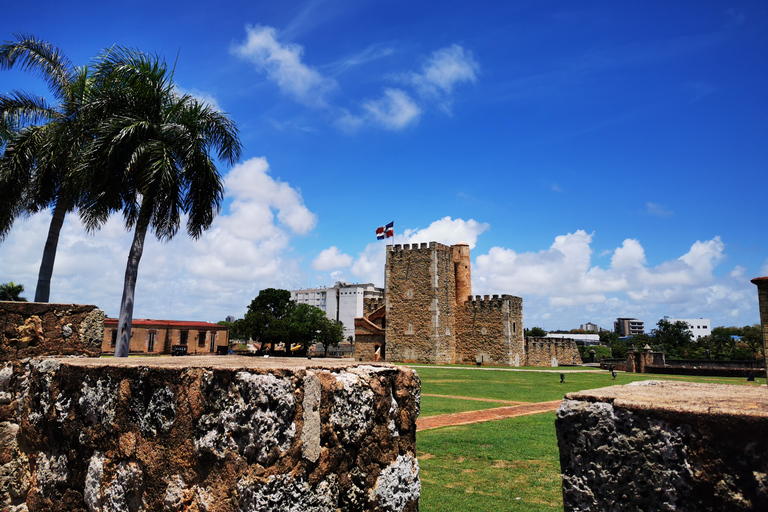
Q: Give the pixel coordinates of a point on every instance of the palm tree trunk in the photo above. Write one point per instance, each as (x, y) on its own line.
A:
(43, 290)
(122, 347)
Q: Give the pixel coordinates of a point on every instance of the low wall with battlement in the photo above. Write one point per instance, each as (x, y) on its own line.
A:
(372, 304)
(551, 352)
(490, 330)
(30, 329)
(215, 434)
(664, 446)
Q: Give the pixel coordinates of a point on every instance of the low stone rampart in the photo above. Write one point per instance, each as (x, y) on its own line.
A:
(32, 329)
(207, 434)
(664, 446)
(551, 352)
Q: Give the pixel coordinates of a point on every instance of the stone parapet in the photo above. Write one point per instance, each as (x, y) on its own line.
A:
(551, 351)
(207, 433)
(32, 329)
(664, 446)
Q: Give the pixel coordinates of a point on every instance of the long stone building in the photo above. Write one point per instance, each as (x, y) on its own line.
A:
(429, 315)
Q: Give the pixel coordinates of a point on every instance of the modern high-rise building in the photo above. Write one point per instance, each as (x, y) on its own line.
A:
(628, 327)
(342, 302)
(698, 327)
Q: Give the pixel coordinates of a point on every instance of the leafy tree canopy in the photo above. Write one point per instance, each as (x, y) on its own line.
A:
(12, 292)
(535, 332)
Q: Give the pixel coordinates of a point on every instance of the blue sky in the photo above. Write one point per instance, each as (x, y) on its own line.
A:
(602, 159)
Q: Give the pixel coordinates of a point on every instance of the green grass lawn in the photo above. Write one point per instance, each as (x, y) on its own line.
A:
(522, 386)
(505, 465)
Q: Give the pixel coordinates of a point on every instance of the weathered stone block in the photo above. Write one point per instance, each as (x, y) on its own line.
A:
(209, 433)
(33, 329)
(664, 446)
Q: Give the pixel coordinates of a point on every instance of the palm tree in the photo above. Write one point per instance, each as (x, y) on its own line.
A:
(42, 143)
(159, 144)
(12, 292)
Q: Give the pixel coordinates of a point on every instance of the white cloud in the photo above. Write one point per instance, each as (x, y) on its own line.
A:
(246, 249)
(658, 210)
(446, 231)
(394, 110)
(201, 96)
(283, 65)
(397, 109)
(563, 280)
(446, 68)
(331, 258)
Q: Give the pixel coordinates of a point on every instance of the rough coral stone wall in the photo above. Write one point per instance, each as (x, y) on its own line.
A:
(491, 330)
(762, 297)
(207, 434)
(664, 446)
(551, 352)
(420, 288)
(31, 329)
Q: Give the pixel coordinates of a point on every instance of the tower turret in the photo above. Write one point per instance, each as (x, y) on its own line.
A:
(462, 271)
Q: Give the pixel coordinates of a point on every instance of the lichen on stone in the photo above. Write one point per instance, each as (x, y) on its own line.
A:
(253, 416)
(125, 492)
(398, 484)
(97, 402)
(92, 492)
(51, 471)
(284, 493)
(352, 411)
(158, 415)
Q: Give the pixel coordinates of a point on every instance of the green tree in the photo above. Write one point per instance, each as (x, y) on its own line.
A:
(42, 144)
(330, 335)
(268, 317)
(160, 143)
(535, 332)
(12, 292)
(608, 337)
(675, 338)
(305, 324)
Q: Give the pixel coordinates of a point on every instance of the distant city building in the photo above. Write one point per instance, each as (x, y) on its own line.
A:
(230, 319)
(628, 327)
(698, 327)
(587, 339)
(590, 327)
(342, 302)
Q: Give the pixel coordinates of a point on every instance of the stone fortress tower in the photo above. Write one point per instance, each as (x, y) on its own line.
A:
(430, 316)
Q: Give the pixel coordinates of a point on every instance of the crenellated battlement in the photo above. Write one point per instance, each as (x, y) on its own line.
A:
(423, 246)
(489, 301)
(372, 304)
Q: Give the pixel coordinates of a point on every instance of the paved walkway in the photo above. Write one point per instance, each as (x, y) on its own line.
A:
(498, 413)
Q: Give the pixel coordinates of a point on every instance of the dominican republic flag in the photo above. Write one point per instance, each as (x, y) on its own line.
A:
(386, 231)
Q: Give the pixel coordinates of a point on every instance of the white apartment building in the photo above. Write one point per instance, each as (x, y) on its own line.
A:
(698, 327)
(342, 302)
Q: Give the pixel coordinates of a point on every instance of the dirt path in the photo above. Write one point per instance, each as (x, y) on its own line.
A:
(498, 413)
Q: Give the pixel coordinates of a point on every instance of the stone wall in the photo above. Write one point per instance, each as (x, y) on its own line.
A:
(551, 352)
(664, 446)
(30, 329)
(762, 298)
(420, 288)
(207, 434)
(491, 330)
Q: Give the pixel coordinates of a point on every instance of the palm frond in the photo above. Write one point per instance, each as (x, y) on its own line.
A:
(39, 57)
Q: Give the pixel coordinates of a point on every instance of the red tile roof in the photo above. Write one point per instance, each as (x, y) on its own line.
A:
(175, 324)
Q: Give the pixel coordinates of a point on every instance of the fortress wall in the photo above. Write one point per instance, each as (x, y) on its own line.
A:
(551, 352)
(664, 446)
(420, 287)
(491, 330)
(370, 305)
(208, 434)
(30, 329)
